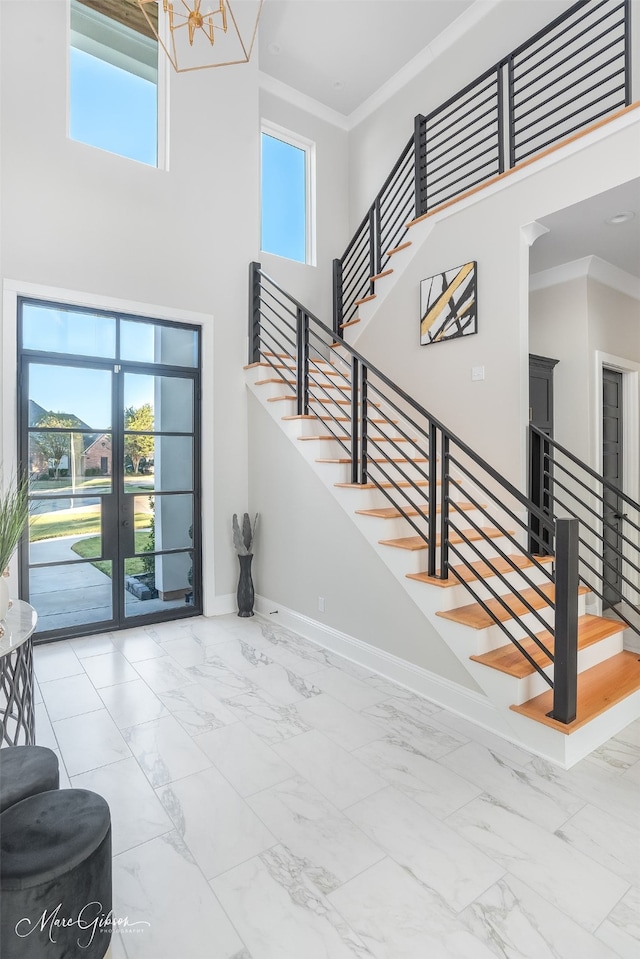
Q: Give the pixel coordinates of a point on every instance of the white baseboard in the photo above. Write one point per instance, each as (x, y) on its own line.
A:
(472, 705)
(221, 605)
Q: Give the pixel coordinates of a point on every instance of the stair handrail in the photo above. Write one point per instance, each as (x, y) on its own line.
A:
(506, 129)
(295, 340)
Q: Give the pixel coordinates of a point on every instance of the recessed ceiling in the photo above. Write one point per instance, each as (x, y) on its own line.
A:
(582, 230)
(341, 51)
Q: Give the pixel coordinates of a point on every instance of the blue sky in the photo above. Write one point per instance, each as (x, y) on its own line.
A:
(112, 108)
(283, 199)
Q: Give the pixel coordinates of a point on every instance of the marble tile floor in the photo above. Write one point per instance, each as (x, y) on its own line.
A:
(271, 800)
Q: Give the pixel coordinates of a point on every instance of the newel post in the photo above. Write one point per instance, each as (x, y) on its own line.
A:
(337, 298)
(565, 672)
(420, 163)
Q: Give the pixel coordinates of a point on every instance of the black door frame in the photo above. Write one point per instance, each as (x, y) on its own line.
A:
(118, 367)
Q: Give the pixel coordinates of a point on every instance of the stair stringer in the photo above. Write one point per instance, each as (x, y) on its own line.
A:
(499, 689)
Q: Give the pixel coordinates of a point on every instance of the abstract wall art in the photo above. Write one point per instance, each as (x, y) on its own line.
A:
(448, 305)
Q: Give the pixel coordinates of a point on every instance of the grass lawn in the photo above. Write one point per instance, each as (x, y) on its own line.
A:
(68, 523)
(90, 547)
(90, 484)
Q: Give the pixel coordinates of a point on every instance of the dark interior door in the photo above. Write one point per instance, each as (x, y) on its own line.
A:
(612, 465)
(540, 415)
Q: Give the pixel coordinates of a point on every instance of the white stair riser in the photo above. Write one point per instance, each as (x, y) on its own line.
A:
(509, 690)
(415, 561)
(455, 596)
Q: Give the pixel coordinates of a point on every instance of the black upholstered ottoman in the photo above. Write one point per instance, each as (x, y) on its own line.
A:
(26, 771)
(55, 876)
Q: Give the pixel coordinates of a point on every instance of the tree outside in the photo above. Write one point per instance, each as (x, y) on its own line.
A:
(138, 445)
(53, 446)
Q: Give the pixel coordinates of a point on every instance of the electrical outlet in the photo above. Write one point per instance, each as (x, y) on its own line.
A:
(321, 604)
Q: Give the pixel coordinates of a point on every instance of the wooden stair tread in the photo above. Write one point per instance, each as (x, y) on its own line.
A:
(303, 439)
(508, 659)
(416, 542)
(374, 439)
(378, 276)
(343, 326)
(346, 387)
(386, 459)
(599, 688)
(475, 616)
(365, 299)
(479, 570)
(396, 249)
(403, 485)
(335, 419)
(390, 512)
(292, 359)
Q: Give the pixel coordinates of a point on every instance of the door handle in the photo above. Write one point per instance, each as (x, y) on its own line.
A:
(620, 515)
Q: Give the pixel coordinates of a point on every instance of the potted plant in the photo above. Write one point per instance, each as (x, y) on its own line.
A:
(243, 542)
(14, 515)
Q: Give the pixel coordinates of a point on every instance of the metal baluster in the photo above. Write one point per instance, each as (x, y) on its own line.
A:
(627, 53)
(500, 109)
(565, 672)
(419, 160)
(372, 242)
(355, 368)
(511, 113)
(302, 362)
(364, 423)
(254, 312)
(338, 307)
(444, 508)
(432, 501)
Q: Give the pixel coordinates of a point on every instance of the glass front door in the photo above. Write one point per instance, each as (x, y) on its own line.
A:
(111, 447)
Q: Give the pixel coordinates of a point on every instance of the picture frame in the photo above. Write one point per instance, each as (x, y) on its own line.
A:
(448, 304)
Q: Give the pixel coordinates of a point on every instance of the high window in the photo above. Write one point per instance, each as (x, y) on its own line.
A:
(287, 182)
(113, 80)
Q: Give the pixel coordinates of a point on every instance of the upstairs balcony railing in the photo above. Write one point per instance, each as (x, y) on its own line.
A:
(571, 74)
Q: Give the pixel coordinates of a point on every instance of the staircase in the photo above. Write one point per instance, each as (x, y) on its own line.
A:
(453, 532)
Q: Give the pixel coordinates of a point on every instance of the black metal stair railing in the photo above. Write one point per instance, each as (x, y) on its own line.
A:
(433, 479)
(609, 524)
(572, 73)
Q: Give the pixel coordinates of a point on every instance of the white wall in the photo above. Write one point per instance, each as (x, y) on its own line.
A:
(306, 549)
(614, 321)
(80, 219)
(312, 285)
(559, 328)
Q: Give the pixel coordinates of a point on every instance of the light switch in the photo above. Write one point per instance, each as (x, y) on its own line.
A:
(477, 373)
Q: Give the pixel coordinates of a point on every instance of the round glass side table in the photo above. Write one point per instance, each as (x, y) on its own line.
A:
(17, 715)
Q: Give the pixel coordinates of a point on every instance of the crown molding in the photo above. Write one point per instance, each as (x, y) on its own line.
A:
(593, 267)
(297, 99)
(468, 19)
(440, 44)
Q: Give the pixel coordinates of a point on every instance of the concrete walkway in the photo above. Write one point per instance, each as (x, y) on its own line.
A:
(74, 595)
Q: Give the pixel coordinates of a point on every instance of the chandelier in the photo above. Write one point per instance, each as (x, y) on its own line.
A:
(196, 34)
